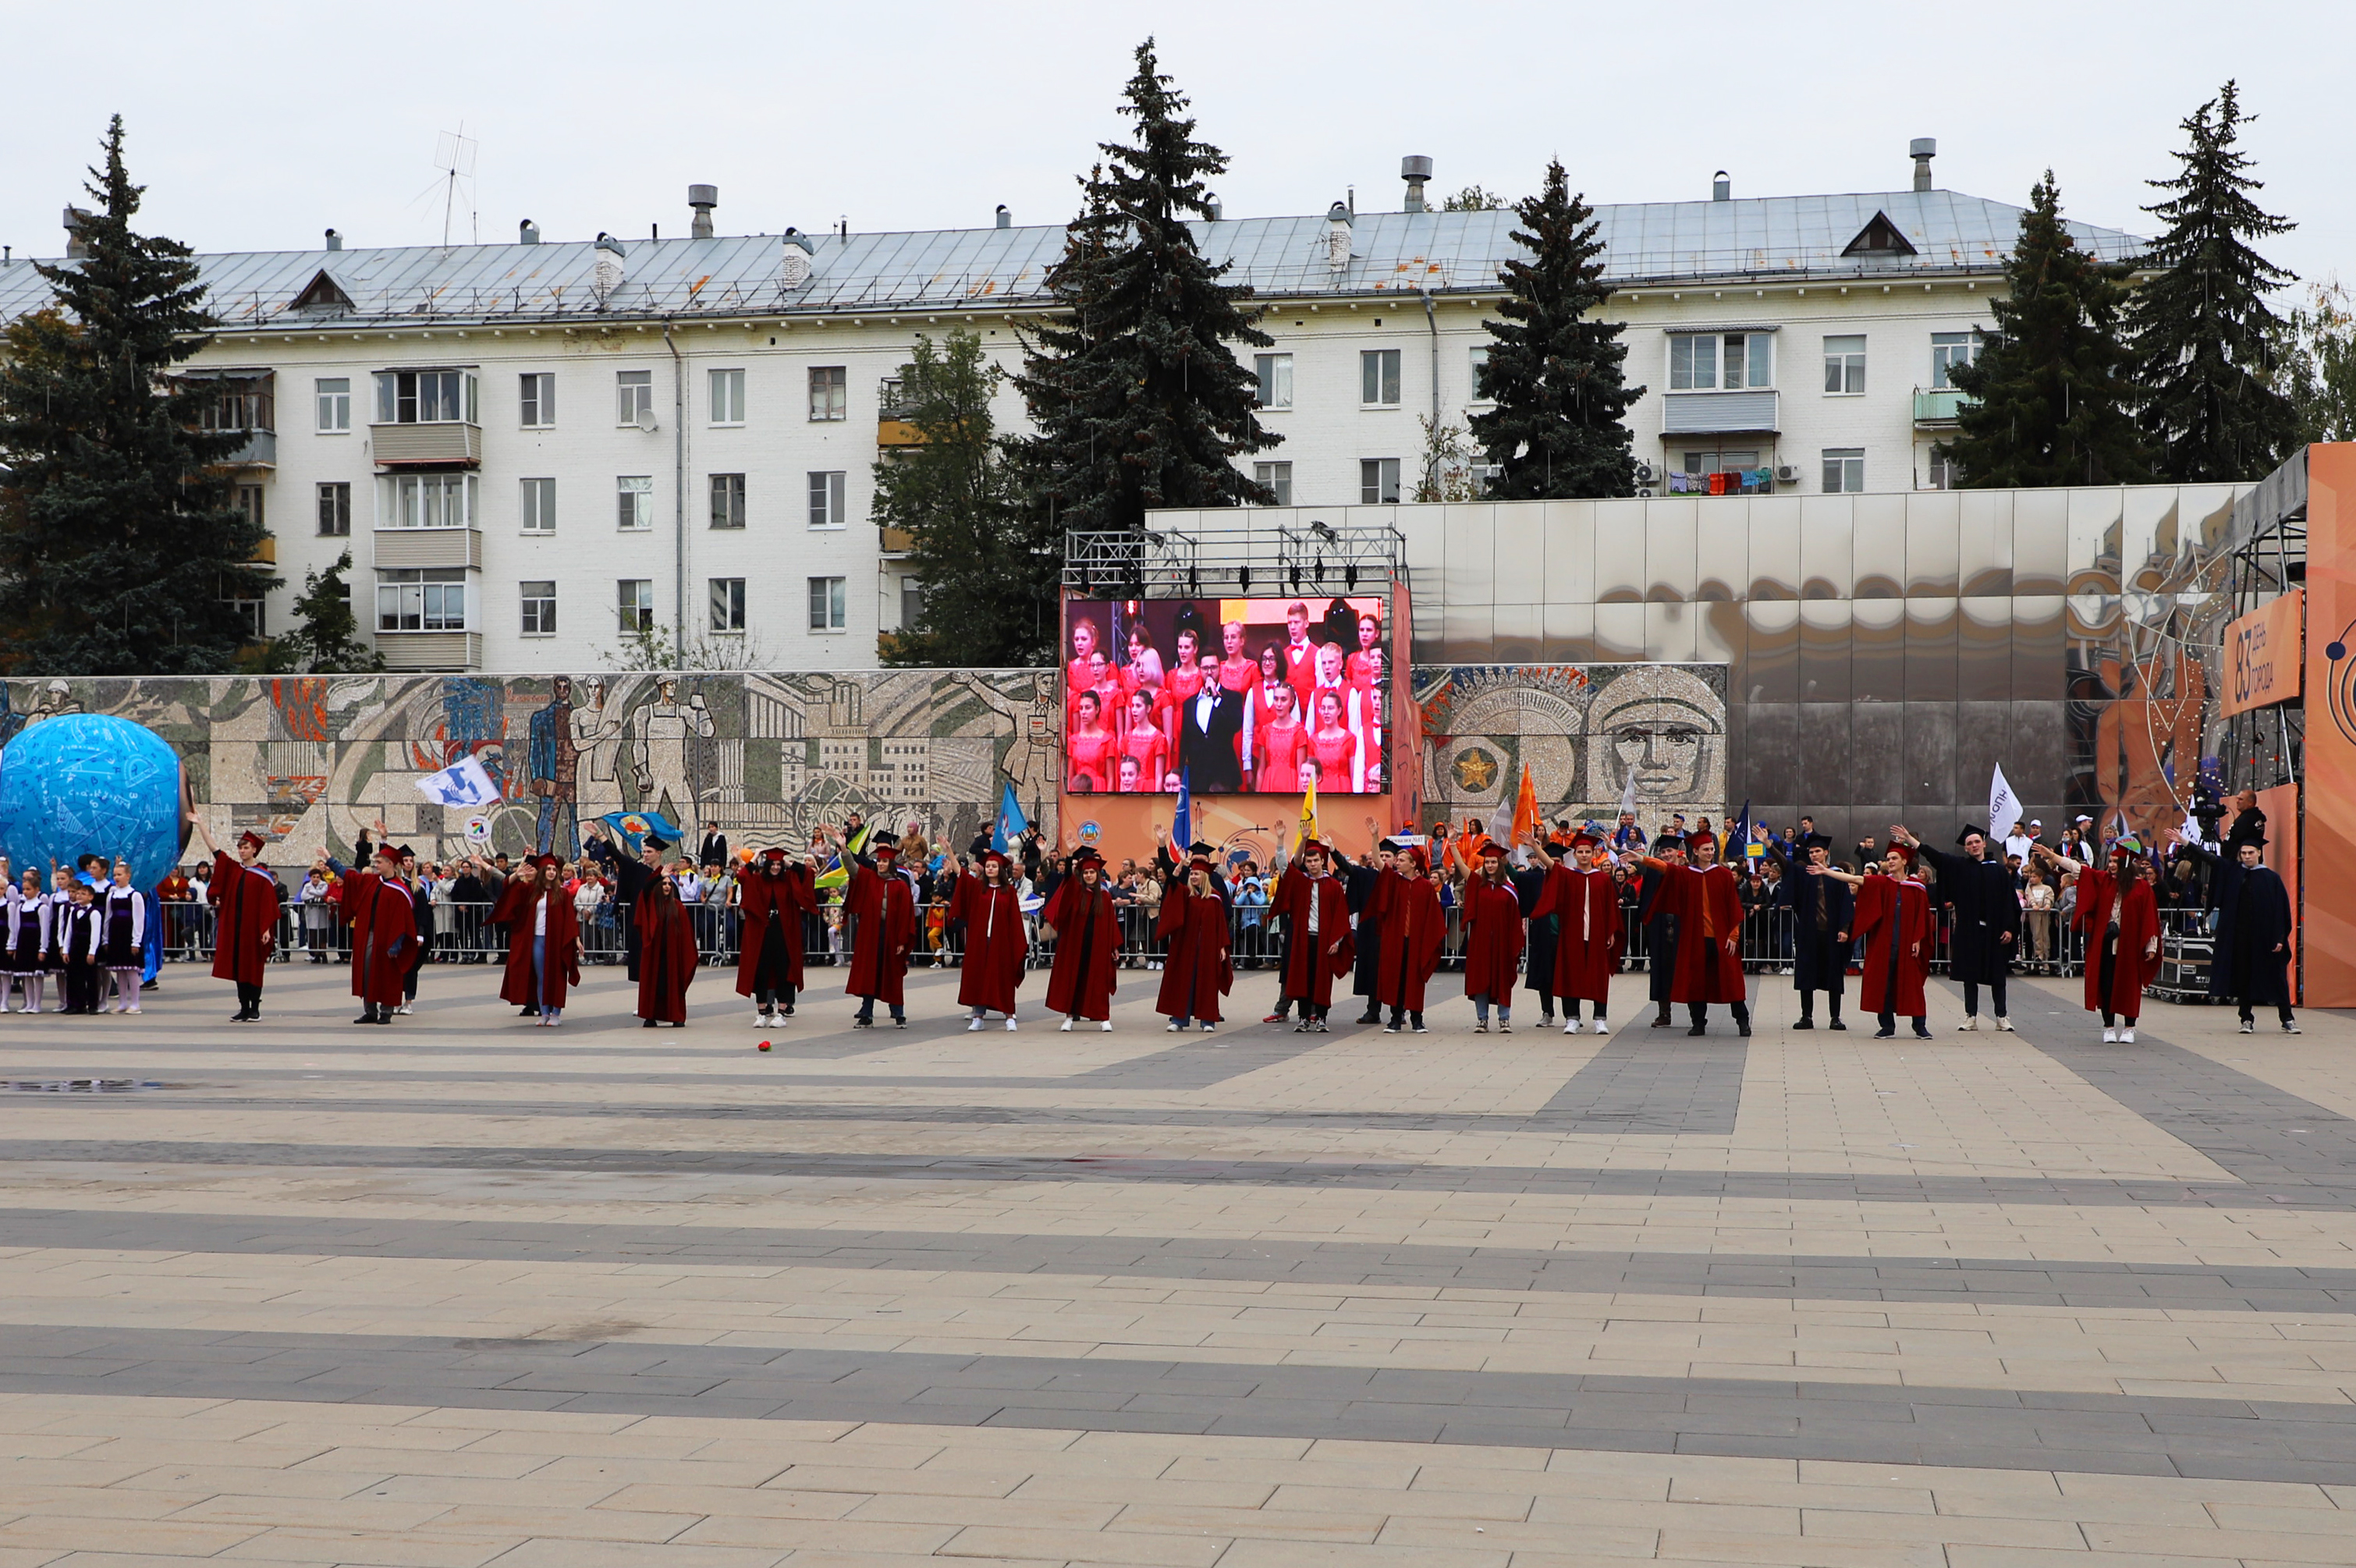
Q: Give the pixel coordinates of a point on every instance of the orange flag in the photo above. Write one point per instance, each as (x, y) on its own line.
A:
(1525, 807)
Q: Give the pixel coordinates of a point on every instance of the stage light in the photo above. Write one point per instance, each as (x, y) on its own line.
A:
(1350, 577)
(1296, 579)
(1243, 579)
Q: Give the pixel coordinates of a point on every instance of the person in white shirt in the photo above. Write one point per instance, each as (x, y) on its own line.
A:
(2017, 843)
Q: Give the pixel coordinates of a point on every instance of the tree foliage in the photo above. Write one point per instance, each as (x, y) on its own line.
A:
(122, 546)
(1474, 198)
(2314, 362)
(326, 639)
(1558, 425)
(2202, 333)
(2051, 403)
(1133, 386)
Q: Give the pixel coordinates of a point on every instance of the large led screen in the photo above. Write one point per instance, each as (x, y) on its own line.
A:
(1235, 696)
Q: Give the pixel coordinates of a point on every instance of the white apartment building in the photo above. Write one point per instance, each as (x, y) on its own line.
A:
(529, 448)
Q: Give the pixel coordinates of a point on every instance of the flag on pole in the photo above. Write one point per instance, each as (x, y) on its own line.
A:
(1182, 821)
(463, 783)
(632, 828)
(1308, 815)
(1012, 824)
(1738, 836)
(1525, 807)
(837, 870)
(2004, 806)
(1628, 793)
(1501, 821)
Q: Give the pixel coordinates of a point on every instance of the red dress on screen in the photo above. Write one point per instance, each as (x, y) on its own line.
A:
(1359, 671)
(1277, 751)
(1091, 755)
(1336, 751)
(1180, 687)
(1151, 749)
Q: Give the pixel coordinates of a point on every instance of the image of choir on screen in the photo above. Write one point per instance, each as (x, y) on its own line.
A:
(1233, 696)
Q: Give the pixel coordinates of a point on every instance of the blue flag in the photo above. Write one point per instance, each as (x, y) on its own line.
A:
(632, 827)
(1738, 841)
(1010, 824)
(1182, 821)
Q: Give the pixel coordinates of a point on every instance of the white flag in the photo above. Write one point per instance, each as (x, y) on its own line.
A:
(1628, 795)
(2004, 806)
(463, 783)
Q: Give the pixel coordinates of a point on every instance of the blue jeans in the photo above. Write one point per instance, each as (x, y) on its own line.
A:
(539, 975)
(1480, 1009)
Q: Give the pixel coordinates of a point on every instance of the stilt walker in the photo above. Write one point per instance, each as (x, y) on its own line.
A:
(1199, 970)
(995, 942)
(1317, 950)
(1584, 902)
(245, 918)
(1411, 926)
(1079, 917)
(383, 919)
(123, 919)
(881, 908)
(667, 953)
(543, 940)
(1492, 939)
(1823, 913)
(2121, 919)
(1893, 913)
(771, 902)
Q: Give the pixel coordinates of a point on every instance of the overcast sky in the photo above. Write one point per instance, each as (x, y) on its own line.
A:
(258, 124)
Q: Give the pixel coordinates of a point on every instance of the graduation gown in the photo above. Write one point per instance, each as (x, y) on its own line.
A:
(1987, 910)
(1585, 906)
(995, 944)
(1539, 936)
(2138, 918)
(1708, 908)
(1362, 883)
(1895, 917)
(631, 878)
(1197, 970)
(667, 956)
(1410, 924)
(517, 910)
(1492, 939)
(1310, 968)
(1822, 907)
(245, 920)
(883, 906)
(1658, 915)
(384, 928)
(1088, 944)
(771, 909)
(124, 912)
(2253, 915)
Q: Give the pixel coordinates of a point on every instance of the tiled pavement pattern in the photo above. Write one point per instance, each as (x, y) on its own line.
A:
(464, 1292)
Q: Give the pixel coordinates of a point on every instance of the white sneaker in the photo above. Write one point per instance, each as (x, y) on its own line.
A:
(1172, 1027)
(2110, 1036)
(134, 1007)
(1010, 1024)
(1106, 1026)
(1570, 1026)
(2287, 1029)
(2003, 1025)
(1970, 1025)
(1064, 1027)
(760, 1019)
(2249, 1026)
(971, 1024)
(2127, 1036)
(1210, 1028)
(404, 1010)
(1601, 1027)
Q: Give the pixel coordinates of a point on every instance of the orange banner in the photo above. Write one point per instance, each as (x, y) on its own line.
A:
(2328, 928)
(2261, 656)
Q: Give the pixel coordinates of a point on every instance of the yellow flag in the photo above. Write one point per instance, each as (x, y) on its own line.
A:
(1308, 813)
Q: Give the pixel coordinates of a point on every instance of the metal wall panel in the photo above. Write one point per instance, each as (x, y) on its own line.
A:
(2041, 541)
(1772, 753)
(1878, 546)
(1929, 756)
(1520, 561)
(1464, 636)
(1770, 665)
(1934, 521)
(1620, 633)
(2094, 537)
(2036, 649)
(1669, 633)
(2040, 750)
(1824, 752)
(1827, 564)
(1877, 659)
(1877, 760)
(1569, 633)
(1469, 555)
(1983, 649)
(1722, 549)
(1930, 650)
(1515, 634)
(2144, 516)
(1670, 531)
(1982, 742)
(1569, 532)
(1619, 551)
(1827, 630)
(1984, 559)
(1775, 547)
(1720, 634)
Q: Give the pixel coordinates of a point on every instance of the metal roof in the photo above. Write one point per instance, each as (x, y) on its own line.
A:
(1648, 243)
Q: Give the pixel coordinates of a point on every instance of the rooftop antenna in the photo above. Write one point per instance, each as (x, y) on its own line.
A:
(454, 155)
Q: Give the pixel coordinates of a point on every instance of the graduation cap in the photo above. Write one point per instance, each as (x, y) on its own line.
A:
(1905, 852)
(650, 841)
(541, 860)
(773, 854)
(887, 850)
(389, 851)
(1967, 832)
(254, 839)
(1388, 846)
(1816, 840)
(1084, 855)
(1557, 848)
(1199, 847)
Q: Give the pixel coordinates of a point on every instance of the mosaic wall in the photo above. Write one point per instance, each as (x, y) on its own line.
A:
(310, 762)
(1581, 731)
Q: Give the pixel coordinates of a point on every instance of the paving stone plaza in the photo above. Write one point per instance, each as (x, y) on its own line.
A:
(463, 1292)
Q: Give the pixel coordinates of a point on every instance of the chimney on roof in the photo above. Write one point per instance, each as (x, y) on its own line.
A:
(1005, 219)
(702, 199)
(75, 244)
(793, 259)
(1922, 149)
(1415, 169)
(335, 240)
(527, 233)
(1337, 236)
(1211, 204)
(1720, 188)
(608, 268)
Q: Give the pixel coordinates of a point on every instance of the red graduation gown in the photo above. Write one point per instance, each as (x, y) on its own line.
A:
(2138, 919)
(884, 907)
(1586, 904)
(1895, 917)
(519, 986)
(1492, 939)
(667, 956)
(1196, 972)
(1088, 942)
(771, 906)
(1309, 975)
(995, 944)
(1708, 907)
(245, 920)
(1410, 924)
(384, 928)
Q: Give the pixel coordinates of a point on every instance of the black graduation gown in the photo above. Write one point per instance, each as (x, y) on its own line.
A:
(630, 878)
(1819, 960)
(1987, 908)
(2253, 915)
(1359, 883)
(1538, 972)
(1660, 936)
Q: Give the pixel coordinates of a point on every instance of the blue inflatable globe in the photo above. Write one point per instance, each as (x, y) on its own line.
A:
(87, 784)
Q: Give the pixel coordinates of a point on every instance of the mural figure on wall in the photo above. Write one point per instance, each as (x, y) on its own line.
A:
(663, 732)
(562, 737)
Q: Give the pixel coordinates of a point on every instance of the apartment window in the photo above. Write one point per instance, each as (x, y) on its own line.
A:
(537, 407)
(250, 501)
(539, 608)
(1844, 366)
(1702, 362)
(827, 395)
(727, 501)
(1379, 378)
(1274, 372)
(1277, 476)
(237, 404)
(1378, 480)
(1720, 462)
(826, 499)
(634, 598)
(335, 396)
(634, 503)
(912, 602)
(425, 397)
(250, 612)
(538, 509)
(334, 511)
(1480, 375)
(429, 500)
(727, 603)
(1942, 474)
(429, 598)
(727, 397)
(1844, 469)
(1949, 349)
(829, 604)
(633, 396)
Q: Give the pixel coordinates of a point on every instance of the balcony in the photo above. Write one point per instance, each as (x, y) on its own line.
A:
(260, 451)
(452, 651)
(440, 445)
(429, 547)
(893, 426)
(895, 542)
(1719, 414)
(1934, 408)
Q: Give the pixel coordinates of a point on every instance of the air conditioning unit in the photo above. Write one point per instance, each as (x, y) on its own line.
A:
(1645, 474)
(1789, 474)
(1643, 492)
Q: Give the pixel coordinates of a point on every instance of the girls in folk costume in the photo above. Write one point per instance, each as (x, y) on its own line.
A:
(995, 943)
(1492, 939)
(1197, 970)
(245, 918)
(2121, 918)
(31, 948)
(383, 917)
(667, 954)
(78, 938)
(1823, 913)
(882, 907)
(1585, 902)
(1410, 924)
(122, 920)
(1708, 904)
(1079, 918)
(772, 899)
(1657, 911)
(1988, 918)
(1317, 945)
(543, 940)
(1893, 912)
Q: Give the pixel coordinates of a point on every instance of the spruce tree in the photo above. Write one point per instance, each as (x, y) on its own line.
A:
(2203, 336)
(1134, 389)
(2050, 401)
(122, 547)
(1558, 427)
